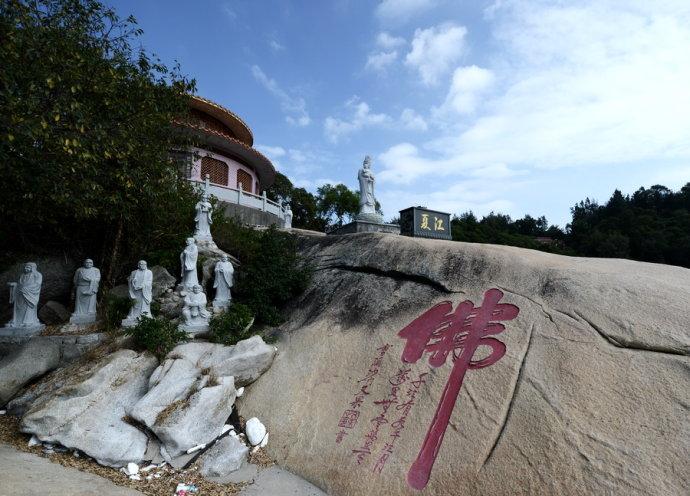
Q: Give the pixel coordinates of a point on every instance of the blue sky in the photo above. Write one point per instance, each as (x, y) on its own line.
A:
(522, 107)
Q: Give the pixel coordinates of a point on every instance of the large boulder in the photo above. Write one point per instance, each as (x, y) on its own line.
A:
(591, 396)
(87, 410)
(227, 455)
(162, 280)
(245, 361)
(53, 313)
(32, 360)
(186, 404)
(196, 419)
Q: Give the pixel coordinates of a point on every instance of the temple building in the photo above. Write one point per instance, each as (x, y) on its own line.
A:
(239, 174)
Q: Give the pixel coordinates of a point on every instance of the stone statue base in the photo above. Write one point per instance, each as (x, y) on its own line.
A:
(82, 318)
(131, 322)
(18, 331)
(365, 226)
(220, 305)
(207, 241)
(370, 217)
(195, 328)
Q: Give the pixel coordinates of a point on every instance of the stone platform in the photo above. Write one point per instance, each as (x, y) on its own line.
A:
(359, 226)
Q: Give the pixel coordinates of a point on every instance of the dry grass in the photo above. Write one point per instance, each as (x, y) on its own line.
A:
(164, 486)
(71, 330)
(168, 410)
(260, 458)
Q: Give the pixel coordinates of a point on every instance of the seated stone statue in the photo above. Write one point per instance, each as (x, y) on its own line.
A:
(194, 312)
(140, 284)
(24, 296)
(86, 281)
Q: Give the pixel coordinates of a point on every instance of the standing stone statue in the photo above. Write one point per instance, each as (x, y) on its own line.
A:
(223, 282)
(288, 216)
(194, 312)
(203, 219)
(24, 296)
(367, 200)
(188, 260)
(86, 281)
(140, 284)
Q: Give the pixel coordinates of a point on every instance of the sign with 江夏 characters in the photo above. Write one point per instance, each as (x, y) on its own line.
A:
(424, 223)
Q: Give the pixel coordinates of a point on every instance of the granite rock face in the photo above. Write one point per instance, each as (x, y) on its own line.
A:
(591, 396)
(31, 361)
(86, 410)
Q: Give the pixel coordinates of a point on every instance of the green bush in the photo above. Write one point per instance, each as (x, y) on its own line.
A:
(270, 274)
(115, 308)
(232, 325)
(159, 336)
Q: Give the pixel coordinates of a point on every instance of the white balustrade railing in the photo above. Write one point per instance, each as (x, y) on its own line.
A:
(241, 197)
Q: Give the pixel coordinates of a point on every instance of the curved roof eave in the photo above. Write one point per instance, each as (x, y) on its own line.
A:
(228, 118)
(247, 155)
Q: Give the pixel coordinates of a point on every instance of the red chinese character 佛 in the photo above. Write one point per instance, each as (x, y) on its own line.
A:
(442, 332)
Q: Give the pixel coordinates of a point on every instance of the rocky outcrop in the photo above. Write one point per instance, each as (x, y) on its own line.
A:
(590, 397)
(32, 360)
(87, 410)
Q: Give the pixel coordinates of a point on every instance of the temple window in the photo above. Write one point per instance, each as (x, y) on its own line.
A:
(216, 169)
(245, 179)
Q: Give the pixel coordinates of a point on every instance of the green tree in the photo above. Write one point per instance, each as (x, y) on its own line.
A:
(86, 133)
(336, 203)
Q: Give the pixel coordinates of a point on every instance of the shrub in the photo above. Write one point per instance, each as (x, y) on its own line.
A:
(115, 308)
(232, 325)
(271, 272)
(159, 336)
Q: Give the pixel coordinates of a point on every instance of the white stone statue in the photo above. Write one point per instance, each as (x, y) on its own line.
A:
(288, 216)
(194, 312)
(203, 219)
(188, 259)
(367, 200)
(140, 284)
(24, 296)
(223, 282)
(86, 281)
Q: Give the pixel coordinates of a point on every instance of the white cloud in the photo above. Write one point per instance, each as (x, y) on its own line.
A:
(228, 11)
(275, 46)
(336, 129)
(294, 107)
(435, 50)
(593, 84)
(387, 41)
(399, 11)
(468, 85)
(412, 120)
(379, 61)
(272, 152)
